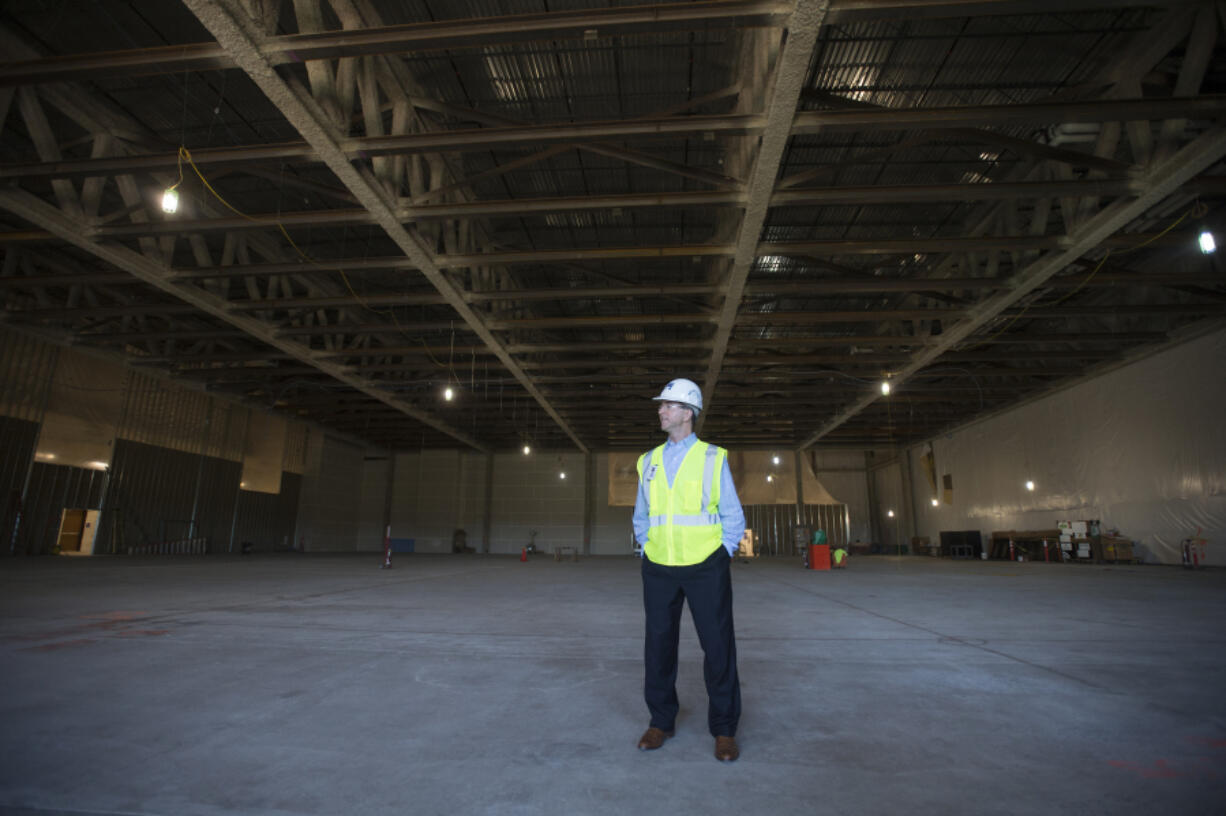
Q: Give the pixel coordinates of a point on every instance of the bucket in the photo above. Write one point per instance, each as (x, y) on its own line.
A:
(819, 556)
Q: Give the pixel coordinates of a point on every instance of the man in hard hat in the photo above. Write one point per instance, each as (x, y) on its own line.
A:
(688, 521)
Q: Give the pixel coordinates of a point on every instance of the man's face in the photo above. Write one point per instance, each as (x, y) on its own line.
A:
(673, 415)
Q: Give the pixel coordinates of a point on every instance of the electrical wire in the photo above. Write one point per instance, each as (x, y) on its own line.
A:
(184, 153)
(1196, 208)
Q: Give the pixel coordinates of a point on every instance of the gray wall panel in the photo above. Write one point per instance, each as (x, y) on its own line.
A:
(17, 440)
(267, 520)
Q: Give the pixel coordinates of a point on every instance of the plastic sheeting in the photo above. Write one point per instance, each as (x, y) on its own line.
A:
(84, 407)
(760, 480)
(623, 479)
(263, 453)
(1142, 448)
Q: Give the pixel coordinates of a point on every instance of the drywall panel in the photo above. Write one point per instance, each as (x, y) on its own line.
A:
(1142, 448)
(263, 452)
(372, 524)
(84, 407)
(470, 516)
(890, 521)
(266, 521)
(612, 527)
(26, 365)
(331, 505)
(844, 475)
(427, 505)
(533, 503)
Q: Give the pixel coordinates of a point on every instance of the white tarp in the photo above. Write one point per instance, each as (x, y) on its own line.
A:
(1142, 448)
(83, 409)
(263, 453)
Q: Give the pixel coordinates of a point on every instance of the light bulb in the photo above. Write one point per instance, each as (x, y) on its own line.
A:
(885, 388)
(890, 513)
(527, 450)
(562, 475)
(170, 200)
(770, 478)
(1029, 485)
(1207, 244)
(775, 459)
(448, 393)
(935, 502)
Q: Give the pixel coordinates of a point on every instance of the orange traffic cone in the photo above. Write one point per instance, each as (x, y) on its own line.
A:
(523, 554)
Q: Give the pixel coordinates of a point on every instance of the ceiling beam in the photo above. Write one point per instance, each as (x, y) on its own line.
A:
(809, 197)
(448, 34)
(1159, 181)
(31, 208)
(244, 46)
(355, 148)
(486, 31)
(1205, 106)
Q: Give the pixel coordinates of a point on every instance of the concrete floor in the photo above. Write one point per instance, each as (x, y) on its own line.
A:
(312, 684)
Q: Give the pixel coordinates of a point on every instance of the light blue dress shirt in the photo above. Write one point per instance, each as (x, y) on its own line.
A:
(731, 515)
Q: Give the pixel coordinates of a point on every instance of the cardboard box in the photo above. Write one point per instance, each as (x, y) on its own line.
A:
(745, 546)
(1117, 548)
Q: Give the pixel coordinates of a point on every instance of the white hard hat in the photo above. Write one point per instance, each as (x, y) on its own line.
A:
(684, 391)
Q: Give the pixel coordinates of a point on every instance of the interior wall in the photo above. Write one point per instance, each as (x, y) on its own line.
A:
(612, 529)
(372, 523)
(472, 499)
(428, 498)
(529, 495)
(162, 461)
(1141, 448)
(844, 475)
(887, 481)
(330, 510)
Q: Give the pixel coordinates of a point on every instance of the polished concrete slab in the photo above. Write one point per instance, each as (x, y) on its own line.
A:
(313, 684)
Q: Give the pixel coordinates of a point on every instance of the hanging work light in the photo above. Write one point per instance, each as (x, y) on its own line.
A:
(1207, 244)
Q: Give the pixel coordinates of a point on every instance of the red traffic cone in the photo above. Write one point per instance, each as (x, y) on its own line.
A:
(523, 554)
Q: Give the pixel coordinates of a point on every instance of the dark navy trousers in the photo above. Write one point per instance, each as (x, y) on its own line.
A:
(707, 588)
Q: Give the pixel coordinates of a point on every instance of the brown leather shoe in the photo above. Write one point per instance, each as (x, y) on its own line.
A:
(726, 750)
(653, 738)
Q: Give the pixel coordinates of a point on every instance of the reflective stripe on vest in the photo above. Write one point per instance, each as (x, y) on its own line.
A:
(682, 531)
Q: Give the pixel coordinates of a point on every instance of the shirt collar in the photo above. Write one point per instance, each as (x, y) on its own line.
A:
(684, 443)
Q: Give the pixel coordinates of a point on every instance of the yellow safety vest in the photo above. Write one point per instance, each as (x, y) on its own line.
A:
(683, 520)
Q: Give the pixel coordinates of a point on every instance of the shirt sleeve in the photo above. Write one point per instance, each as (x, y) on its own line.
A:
(731, 514)
(640, 515)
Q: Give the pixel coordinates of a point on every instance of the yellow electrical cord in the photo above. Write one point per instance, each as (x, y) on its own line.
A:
(184, 153)
(1194, 208)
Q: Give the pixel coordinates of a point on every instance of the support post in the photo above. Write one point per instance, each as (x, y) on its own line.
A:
(589, 499)
(908, 492)
(489, 503)
(874, 509)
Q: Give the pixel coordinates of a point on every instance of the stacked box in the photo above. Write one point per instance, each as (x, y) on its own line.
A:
(1117, 548)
